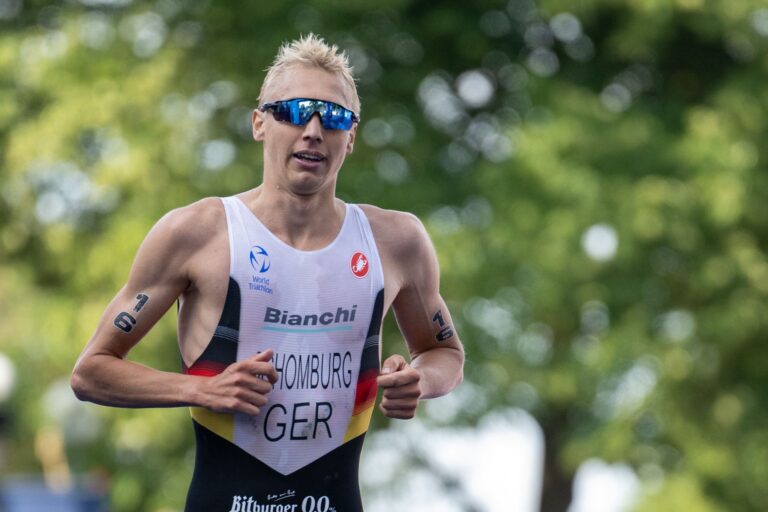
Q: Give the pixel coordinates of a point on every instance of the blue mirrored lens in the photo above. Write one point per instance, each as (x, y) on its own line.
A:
(299, 111)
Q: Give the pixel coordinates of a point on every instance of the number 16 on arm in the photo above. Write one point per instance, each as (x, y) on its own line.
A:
(446, 331)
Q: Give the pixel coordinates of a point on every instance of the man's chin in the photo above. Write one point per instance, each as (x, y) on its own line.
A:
(307, 186)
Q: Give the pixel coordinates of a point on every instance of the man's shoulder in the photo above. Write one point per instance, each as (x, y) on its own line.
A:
(392, 221)
(396, 231)
(195, 223)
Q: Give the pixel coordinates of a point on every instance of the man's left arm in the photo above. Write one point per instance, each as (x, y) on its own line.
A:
(437, 356)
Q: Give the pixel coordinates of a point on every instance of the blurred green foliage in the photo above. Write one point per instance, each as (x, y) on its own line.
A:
(593, 175)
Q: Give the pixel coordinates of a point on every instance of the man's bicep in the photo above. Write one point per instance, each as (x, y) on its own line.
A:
(421, 312)
(155, 281)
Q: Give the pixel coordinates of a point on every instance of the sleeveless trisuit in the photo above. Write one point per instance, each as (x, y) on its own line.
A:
(321, 313)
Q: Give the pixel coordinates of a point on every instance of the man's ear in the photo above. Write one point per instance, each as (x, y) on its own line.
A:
(257, 125)
(351, 141)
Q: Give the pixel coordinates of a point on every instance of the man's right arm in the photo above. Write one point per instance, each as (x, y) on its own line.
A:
(161, 271)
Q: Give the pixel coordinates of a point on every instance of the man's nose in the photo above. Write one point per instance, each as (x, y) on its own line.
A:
(314, 128)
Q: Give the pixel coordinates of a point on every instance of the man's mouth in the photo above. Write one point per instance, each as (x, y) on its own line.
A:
(309, 156)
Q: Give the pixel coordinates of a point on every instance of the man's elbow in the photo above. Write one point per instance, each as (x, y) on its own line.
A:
(459, 377)
(80, 383)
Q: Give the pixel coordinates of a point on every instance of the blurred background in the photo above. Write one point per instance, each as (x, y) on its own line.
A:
(592, 173)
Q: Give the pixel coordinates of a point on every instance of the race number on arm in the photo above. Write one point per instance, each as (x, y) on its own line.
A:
(437, 356)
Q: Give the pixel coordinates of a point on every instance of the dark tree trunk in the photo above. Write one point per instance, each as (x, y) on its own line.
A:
(557, 486)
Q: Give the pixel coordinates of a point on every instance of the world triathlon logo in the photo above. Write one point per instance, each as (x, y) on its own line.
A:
(259, 259)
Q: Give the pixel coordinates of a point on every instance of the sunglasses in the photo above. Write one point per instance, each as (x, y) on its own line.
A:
(300, 110)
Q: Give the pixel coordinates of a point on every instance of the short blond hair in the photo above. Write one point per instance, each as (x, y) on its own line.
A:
(312, 50)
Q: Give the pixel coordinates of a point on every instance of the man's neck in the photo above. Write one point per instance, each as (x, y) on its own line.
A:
(305, 222)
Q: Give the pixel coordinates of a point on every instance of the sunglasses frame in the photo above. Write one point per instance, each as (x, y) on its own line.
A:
(289, 111)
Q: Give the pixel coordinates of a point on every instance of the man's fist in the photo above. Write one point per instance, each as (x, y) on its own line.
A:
(242, 386)
(401, 388)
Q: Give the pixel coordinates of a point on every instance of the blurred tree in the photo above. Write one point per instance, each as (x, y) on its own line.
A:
(590, 173)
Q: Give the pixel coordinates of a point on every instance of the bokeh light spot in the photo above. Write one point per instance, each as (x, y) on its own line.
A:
(217, 154)
(600, 242)
(475, 88)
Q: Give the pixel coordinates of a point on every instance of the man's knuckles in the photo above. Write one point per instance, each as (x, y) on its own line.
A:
(399, 406)
(254, 368)
(386, 381)
(252, 398)
(241, 379)
(231, 404)
(400, 414)
(411, 392)
(257, 367)
(244, 404)
(402, 378)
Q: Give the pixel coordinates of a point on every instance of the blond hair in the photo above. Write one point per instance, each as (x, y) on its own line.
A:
(311, 50)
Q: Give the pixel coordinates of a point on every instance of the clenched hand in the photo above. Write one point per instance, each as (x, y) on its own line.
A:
(242, 387)
(401, 388)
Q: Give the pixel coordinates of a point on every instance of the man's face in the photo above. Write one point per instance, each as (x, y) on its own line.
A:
(303, 159)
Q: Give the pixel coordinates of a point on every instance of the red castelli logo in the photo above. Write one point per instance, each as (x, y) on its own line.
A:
(359, 264)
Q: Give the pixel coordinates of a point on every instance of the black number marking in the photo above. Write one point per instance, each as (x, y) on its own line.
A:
(446, 331)
(124, 322)
(142, 300)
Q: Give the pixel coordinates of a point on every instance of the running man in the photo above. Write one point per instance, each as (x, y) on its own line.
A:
(282, 290)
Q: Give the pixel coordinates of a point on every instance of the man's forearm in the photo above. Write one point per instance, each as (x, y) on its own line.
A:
(108, 380)
(441, 369)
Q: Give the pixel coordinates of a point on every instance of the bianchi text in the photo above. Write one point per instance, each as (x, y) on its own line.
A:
(340, 316)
